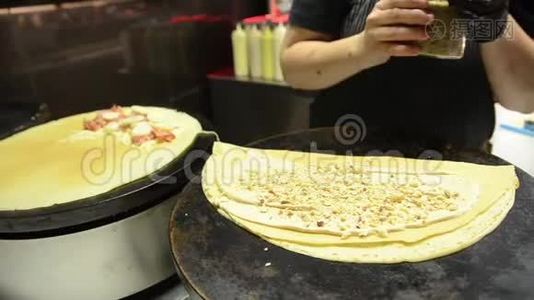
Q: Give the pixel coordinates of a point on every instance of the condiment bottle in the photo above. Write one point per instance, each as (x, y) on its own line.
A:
(267, 53)
(239, 45)
(254, 40)
(279, 33)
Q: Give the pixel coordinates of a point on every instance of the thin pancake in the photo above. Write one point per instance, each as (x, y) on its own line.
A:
(234, 201)
(495, 187)
(58, 162)
(433, 247)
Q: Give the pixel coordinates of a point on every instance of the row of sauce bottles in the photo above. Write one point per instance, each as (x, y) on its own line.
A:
(256, 50)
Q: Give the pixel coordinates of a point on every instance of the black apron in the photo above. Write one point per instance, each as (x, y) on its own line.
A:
(436, 103)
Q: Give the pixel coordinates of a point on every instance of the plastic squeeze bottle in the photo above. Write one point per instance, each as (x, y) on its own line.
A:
(267, 53)
(255, 38)
(279, 33)
(239, 45)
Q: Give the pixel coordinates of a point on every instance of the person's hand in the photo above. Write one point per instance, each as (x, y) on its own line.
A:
(481, 14)
(394, 28)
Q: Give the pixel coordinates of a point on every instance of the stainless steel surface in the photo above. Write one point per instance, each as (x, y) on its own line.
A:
(177, 293)
(169, 289)
(107, 262)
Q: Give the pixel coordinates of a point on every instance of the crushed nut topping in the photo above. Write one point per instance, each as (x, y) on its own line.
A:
(321, 197)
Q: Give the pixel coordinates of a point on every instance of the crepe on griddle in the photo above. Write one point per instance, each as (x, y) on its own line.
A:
(89, 154)
(358, 209)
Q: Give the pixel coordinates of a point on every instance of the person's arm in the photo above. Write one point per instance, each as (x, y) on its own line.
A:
(509, 64)
(312, 60)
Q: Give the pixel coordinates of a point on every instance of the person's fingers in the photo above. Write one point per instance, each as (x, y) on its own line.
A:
(389, 4)
(400, 16)
(399, 34)
(404, 50)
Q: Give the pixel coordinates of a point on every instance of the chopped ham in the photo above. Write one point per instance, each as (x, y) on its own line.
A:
(104, 117)
(95, 124)
(141, 139)
(116, 108)
(162, 135)
(137, 124)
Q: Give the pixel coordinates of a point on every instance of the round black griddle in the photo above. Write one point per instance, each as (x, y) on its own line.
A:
(17, 116)
(219, 260)
(109, 207)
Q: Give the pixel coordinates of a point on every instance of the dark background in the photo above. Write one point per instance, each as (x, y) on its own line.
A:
(85, 55)
(79, 56)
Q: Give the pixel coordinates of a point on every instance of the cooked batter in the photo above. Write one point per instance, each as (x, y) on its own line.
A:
(358, 209)
(89, 154)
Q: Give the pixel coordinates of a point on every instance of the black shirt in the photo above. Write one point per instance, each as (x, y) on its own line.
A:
(338, 18)
(523, 12)
(430, 101)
